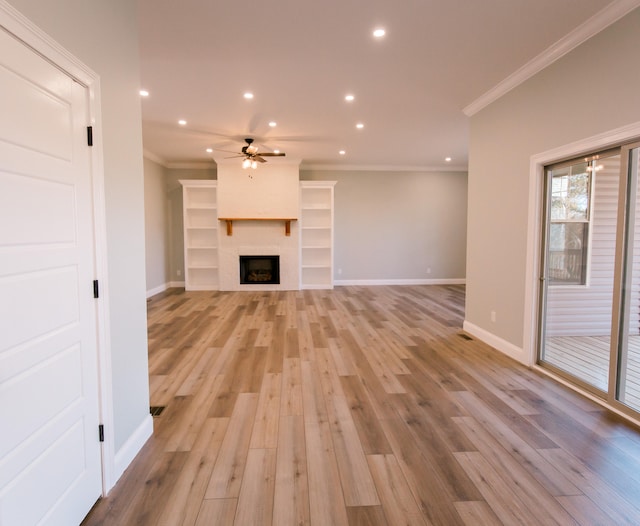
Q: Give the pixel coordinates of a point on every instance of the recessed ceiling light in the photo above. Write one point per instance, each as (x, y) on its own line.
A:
(379, 32)
(209, 150)
(342, 152)
(276, 151)
(144, 93)
(359, 125)
(349, 98)
(273, 124)
(248, 95)
(448, 159)
(182, 122)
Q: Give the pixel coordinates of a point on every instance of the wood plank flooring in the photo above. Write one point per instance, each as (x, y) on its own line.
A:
(361, 406)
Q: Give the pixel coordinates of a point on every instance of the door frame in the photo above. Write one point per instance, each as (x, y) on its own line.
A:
(535, 212)
(33, 37)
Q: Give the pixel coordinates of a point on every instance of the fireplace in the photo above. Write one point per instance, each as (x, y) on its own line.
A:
(259, 270)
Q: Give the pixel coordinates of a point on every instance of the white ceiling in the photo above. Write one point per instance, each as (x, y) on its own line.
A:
(300, 58)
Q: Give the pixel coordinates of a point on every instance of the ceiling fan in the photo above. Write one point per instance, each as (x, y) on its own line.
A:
(251, 155)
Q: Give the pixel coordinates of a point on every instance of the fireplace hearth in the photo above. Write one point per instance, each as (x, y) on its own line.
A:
(259, 270)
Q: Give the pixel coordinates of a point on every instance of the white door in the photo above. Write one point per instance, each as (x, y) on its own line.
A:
(50, 466)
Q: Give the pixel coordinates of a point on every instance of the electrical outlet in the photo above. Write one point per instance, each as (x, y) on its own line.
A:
(428, 270)
(493, 316)
(339, 271)
(179, 272)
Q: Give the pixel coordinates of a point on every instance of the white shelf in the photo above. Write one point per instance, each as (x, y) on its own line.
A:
(199, 201)
(316, 234)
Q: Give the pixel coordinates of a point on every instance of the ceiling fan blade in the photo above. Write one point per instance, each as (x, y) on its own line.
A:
(270, 154)
(259, 159)
(234, 156)
(226, 151)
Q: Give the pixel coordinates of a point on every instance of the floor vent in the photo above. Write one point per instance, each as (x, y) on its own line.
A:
(465, 336)
(156, 410)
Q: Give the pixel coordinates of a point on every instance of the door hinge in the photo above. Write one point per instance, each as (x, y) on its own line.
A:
(101, 432)
(90, 135)
(96, 289)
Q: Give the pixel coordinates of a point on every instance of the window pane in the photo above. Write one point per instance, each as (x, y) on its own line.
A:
(628, 388)
(570, 193)
(576, 323)
(567, 253)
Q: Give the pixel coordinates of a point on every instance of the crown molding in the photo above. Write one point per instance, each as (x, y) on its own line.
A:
(272, 162)
(178, 165)
(155, 158)
(191, 166)
(381, 168)
(601, 20)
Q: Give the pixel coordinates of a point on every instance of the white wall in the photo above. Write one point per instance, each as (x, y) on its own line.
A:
(103, 35)
(593, 89)
(156, 227)
(270, 191)
(393, 226)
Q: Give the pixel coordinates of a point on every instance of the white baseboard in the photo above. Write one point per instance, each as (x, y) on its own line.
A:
(342, 282)
(157, 290)
(497, 343)
(132, 447)
(163, 287)
(374, 282)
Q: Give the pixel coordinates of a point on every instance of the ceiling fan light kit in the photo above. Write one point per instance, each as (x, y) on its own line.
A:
(252, 157)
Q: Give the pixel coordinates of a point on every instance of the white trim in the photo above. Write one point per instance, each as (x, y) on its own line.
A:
(155, 158)
(375, 282)
(163, 287)
(601, 20)
(534, 223)
(204, 165)
(157, 290)
(23, 28)
(221, 161)
(381, 168)
(505, 347)
(190, 166)
(34, 37)
(102, 273)
(132, 447)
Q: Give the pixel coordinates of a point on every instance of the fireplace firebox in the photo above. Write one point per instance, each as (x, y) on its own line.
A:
(259, 270)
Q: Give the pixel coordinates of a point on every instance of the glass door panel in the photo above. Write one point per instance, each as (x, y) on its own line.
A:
(579, 265)
(627, 368)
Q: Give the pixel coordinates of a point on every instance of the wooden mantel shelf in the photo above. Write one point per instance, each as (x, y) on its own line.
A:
(230, 220)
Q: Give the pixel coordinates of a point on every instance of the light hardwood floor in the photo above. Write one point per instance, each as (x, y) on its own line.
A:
(361, 406)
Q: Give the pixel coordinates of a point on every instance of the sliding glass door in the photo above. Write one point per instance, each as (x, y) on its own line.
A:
(625, 374)
(581, 211)
(590, 279)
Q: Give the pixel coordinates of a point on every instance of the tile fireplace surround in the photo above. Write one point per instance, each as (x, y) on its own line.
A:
(259, 238)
